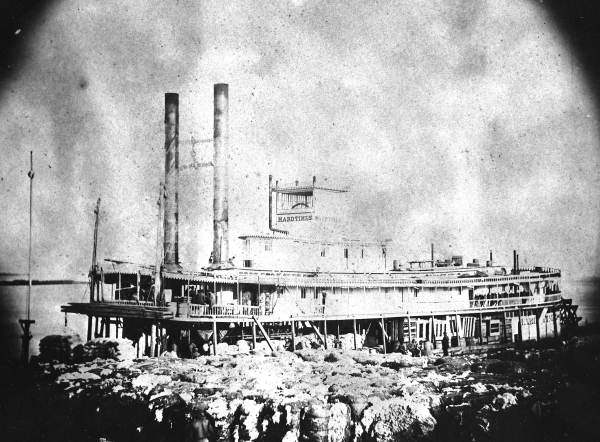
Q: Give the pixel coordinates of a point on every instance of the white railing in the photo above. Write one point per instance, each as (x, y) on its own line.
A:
(198, 310)
(517, 300)
(128, 302)
(437, 307)
(385, 280)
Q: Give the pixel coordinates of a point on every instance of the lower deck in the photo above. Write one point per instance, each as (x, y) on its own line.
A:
(158, 328)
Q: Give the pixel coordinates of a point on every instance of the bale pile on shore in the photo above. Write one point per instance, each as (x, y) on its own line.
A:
(59, 347)
(315, 395)
(105, 348)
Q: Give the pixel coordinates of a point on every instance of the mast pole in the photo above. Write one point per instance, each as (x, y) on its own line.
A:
(30, 174)
(26, 323)
(94, 268)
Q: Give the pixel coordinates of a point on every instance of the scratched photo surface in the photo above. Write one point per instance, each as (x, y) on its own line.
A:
(470, 124)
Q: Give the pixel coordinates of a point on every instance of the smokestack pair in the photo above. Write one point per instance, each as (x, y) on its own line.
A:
(220, 252)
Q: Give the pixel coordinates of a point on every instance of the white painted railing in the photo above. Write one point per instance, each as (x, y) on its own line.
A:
(129, 302)
(199, 310)
(386, 280)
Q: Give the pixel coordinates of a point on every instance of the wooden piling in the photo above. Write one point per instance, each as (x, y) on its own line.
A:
(480, 328)
(383, 335)
(214, 339)
(433, 331)
(89, 327)
(253, 336)
(293, 330)
(537, 324)
(354, 332)
(325, 333)
(519, 328)
(554, 321)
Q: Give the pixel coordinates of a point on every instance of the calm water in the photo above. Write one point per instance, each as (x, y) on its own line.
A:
(46, 302)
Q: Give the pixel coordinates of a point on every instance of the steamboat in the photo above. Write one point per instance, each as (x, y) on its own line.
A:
(301, 276)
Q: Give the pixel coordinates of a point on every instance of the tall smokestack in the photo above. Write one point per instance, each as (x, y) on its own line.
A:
(171, 221)
(514, 262)
(221, 185)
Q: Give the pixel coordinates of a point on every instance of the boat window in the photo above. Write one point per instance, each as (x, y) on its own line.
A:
(494, 327)
(303, 292)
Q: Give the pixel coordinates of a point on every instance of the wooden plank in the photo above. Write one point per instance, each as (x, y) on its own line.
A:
(263, 332)
(316, 330)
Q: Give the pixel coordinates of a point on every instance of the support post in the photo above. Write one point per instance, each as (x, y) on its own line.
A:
(554, 321)
(504, 327)
(89, 327)
(409, 332)
(263, 332)
(214, 339)
(537, 325)
(354, 332)
(317, 332)
(433, 331)
(382, 323)
(154, 340)
(293, 329)
(253, 336)
(325, 333)
(480, 328)
(519, 328)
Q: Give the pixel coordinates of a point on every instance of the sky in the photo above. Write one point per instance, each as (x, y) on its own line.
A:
(467, 123)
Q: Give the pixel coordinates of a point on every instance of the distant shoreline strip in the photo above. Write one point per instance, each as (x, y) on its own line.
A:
(43, 282)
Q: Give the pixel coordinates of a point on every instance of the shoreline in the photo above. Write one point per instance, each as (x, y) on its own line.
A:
(513, 392)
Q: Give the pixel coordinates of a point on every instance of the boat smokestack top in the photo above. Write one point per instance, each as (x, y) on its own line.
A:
(221, 186)
(171, 208)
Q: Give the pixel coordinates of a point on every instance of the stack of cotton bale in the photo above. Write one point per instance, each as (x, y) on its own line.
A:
(58, 347)
(109, 348)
